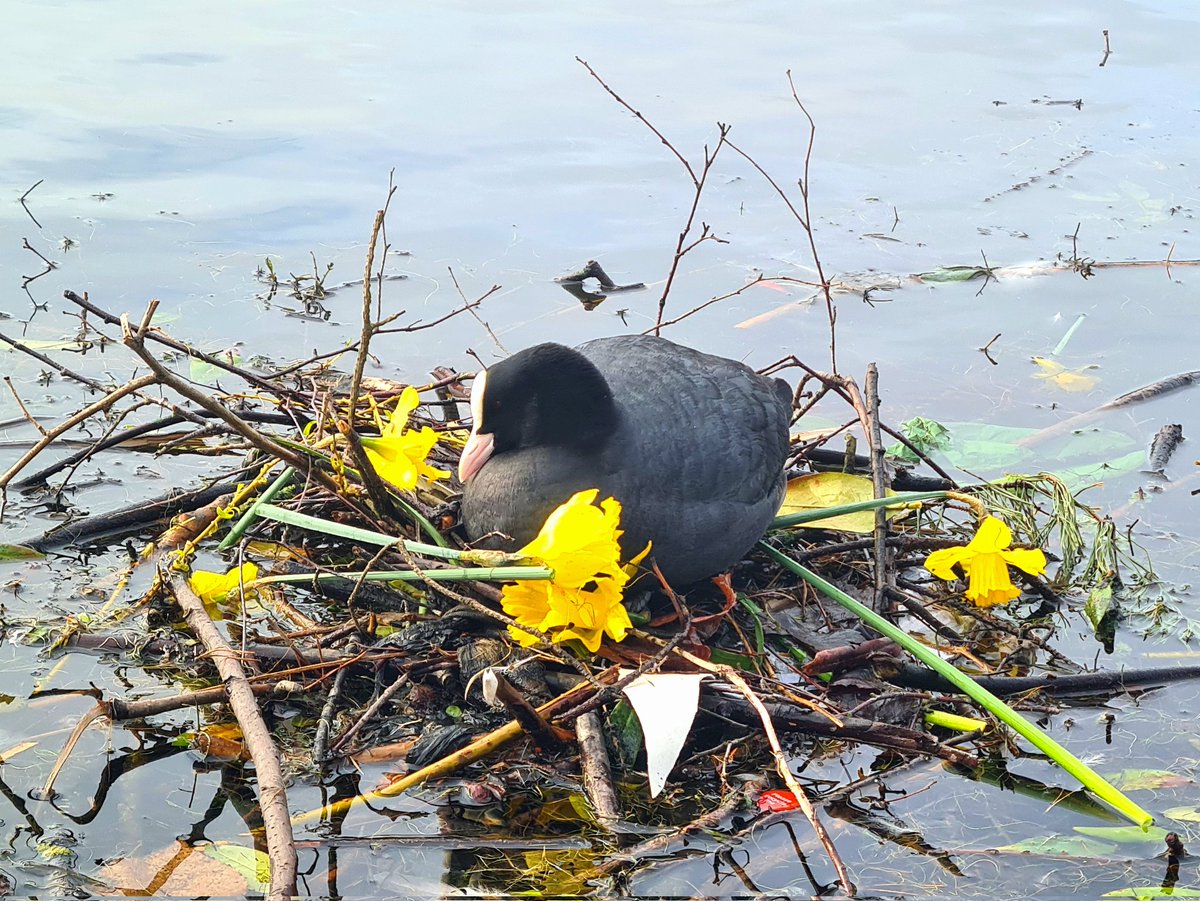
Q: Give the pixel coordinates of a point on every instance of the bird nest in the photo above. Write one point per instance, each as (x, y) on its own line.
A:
(324, 570)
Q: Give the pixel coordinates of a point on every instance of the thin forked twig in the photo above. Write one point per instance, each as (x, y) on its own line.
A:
(683, 246)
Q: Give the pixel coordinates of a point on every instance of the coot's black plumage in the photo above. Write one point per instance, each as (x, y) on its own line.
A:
(692, 445)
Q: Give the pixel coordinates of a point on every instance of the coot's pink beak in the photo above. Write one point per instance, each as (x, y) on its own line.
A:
(479, 446)
(474, 455)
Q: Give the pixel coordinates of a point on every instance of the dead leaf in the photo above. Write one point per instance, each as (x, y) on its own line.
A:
(822, 490)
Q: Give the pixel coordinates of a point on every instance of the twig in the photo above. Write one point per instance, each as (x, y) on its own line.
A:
(545, 734)
(86, 413)
(703, 823)
(364, 340)
(25, 196)
(617, 97)
(708, 303)
(879, 482)
(325, 722)
(135, 341)
(805, 218)
(53, 364)
(1107, 50)
(682, 246)
(343, 741)
(119, 710)
(26, 280)
(474, 315)
(29, 417)
(167, 341)
(281, 848)
(597, 770)
(734, 678)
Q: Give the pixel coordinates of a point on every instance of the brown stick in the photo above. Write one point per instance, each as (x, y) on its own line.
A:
(118, 710)
(597, 771)
(281, 848)
(272, 794)
(734, 678)
(879, 482)
(364, 340)
(544, 733)
(86, 413)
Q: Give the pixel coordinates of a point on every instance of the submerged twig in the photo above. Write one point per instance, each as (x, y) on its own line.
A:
(1146, 392)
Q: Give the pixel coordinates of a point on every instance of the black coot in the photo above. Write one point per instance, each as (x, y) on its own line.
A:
(692, 445)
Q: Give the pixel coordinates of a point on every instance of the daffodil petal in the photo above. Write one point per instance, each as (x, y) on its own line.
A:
(1030, 561)
(941, 562)
(210, 586)
(991, 536)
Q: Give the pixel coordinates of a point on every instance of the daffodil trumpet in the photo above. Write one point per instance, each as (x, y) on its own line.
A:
(399, 453)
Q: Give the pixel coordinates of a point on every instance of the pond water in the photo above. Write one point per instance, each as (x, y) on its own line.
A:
(167, 151)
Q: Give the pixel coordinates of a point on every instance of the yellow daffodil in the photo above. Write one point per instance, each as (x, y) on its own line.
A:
(985, 561)
(211, 587)
(584, 599)
(398, 455)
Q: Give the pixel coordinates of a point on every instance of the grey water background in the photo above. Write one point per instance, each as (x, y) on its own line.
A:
(179, 146)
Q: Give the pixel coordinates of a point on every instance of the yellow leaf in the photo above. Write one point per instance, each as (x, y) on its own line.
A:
(1072, 380)
(832, 489)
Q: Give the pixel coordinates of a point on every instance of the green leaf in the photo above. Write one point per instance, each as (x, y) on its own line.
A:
(251, 865)
(1124, 835)
(200, 371)
(1099, 605)
(1184, 814)
(627, 732)
(1135, 779)
(953, 274)
(926, 435)
(1151, 893)
(1061, 845)
(1079, 476)
(12, 552)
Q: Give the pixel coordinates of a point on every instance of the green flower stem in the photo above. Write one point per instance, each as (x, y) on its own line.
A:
(425, 525)
(235, 534)
(1086, 776)
(954, 721)
(895, 500)
(366, 536)
(457, 574)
